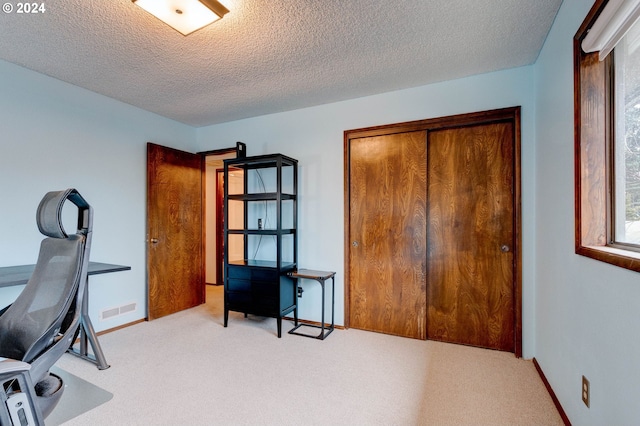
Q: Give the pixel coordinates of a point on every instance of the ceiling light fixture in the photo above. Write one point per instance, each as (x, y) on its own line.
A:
(186, 16)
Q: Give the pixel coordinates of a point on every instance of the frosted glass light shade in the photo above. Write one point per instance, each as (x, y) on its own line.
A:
(186, 16)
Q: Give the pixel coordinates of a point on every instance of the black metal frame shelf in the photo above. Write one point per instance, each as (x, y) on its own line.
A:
(261, 196)
(254, 286)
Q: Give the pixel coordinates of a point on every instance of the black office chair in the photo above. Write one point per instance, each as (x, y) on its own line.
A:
(39, 327)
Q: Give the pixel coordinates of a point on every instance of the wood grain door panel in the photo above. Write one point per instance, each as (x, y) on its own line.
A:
(175, 275)
(456, 231)
(387, 233)
(471, 240)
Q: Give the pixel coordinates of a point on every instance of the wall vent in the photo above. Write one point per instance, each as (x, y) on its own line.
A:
(120, 310)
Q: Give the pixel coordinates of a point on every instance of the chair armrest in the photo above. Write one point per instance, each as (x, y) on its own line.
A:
(8, 365)
(19, 405)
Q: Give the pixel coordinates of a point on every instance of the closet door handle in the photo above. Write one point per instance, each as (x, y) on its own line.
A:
(355, 244)
(154, 241)
(504, 248)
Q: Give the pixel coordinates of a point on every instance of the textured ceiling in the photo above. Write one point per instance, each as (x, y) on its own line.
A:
(272, 56)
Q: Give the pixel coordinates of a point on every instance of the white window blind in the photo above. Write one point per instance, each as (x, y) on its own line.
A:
(613, 23)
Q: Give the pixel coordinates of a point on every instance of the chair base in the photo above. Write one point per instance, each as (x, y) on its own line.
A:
(49, 391)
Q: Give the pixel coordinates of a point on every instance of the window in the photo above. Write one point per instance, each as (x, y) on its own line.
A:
(607, 140)
(626, 149)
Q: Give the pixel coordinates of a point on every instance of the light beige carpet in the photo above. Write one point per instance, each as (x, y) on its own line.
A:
(188, 369)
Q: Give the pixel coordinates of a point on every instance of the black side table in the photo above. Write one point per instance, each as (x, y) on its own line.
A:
(320, 277)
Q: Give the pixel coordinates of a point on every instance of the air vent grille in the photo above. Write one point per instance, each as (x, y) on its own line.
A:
(120, 310)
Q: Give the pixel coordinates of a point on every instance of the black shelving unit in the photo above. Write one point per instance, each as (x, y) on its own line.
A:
(262, 247)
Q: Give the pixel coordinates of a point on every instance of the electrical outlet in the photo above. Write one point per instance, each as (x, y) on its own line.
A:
(585, 391)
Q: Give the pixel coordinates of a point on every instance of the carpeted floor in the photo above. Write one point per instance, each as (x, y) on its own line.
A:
(188, 369)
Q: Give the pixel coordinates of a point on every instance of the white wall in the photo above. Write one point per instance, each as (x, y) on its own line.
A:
(54, 136)
(315, 135)
(587, 320)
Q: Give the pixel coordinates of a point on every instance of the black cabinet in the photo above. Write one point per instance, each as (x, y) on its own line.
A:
(260, 239)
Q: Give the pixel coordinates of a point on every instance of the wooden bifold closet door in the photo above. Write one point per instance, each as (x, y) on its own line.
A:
(432, 240)
(387, 234)
(470, 236)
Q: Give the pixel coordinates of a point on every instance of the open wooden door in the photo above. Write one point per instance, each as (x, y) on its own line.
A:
(175, 277)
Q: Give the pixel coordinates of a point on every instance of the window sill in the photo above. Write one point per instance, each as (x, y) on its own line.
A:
(615, 256)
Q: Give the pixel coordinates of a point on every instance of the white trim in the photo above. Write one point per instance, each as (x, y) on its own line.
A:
(612, 24)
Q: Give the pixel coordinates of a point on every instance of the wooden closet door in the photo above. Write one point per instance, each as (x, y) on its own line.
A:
(387, 224)
(471, 241)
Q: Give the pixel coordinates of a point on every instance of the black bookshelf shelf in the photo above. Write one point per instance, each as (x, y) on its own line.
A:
(260, 220)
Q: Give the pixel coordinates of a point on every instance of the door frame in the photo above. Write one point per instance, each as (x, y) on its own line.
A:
(241, 151)
(484, 117)
(219, 225)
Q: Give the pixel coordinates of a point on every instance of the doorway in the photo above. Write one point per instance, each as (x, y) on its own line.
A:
(178, 226)
(432, 235)
(214, 217)
(214, 224)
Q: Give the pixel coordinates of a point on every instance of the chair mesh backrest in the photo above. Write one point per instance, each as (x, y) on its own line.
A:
(34, 319)
(31, 324)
